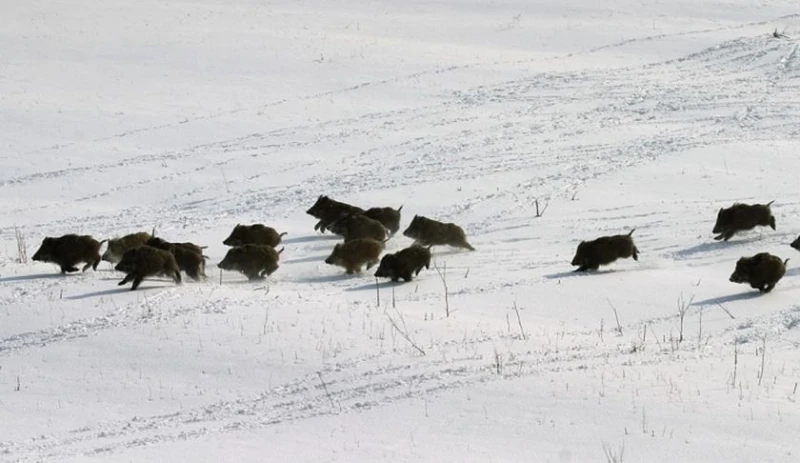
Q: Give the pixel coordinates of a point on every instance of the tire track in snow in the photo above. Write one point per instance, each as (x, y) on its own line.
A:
(347, 388)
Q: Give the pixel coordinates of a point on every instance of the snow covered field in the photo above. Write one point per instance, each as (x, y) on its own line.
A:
(194, 116)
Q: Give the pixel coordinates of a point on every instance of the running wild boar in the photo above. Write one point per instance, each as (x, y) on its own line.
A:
(590, 255)
(354, 226)
(328, 210)
(353, 254)
(146, 261)
(253, 234)
(255, 261)
(405, 263)
(69, 250)
(390, 218)
(118, 246)
(796, 243)
(428, 232)
(762, 271)
(742, 217)
(188, 256)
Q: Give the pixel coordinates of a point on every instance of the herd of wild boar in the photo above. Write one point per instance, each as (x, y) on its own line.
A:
(253, 247)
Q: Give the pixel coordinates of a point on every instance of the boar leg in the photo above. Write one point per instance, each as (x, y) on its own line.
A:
(728, 235)
(635, 254)
(127, 278)
(252, 276)
(177, 277)
(137, 280)
(768, 288)
(466, 245)
(718, 237)
(96, 262)
(193, 273)
(68, 268)
(407, 276)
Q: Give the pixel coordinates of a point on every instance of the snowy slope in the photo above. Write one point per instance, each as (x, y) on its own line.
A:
(192, 117)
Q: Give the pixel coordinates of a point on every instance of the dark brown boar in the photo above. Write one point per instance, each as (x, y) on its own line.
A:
(118, 246)
(69, 250)
(354, 226)
(188, 256)
(146, 261)
(253, 260)
(762, 271)
(253, 234)
(427, 232)
(390, 218)
(796, 243)
(404, 263)
(164, 244)
(353, 254)
(742, 217)
(328, 210)
(590, 255)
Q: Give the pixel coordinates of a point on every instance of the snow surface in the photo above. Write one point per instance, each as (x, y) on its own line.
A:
(194, 116)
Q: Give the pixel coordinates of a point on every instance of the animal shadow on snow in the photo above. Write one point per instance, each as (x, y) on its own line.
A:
(792, 272)
(302, 260)
(109, 292)
(35, 276)
(382, 285)
(713, 246)
(310, 238)
(573, 273)
(729, 298)
(332, 278)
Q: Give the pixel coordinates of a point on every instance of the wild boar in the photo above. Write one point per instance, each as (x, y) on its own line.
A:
(742, 217)
(254, 234)
(762, 271)
(590, 255)
(146, 261)
(390, 218)
(189, 260)
(404, 263)
(353, 254)
(426, 232)
(796, 243)
(328, 210)
(69, 250)
(118, 246)
(253, 260)
(354, 226)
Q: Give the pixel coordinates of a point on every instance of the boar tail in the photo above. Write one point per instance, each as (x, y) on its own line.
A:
(279, 252)
(104, 241)
(631, 232)
(770, 202)
(784, 262)
(400, 208)
(283, 234)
